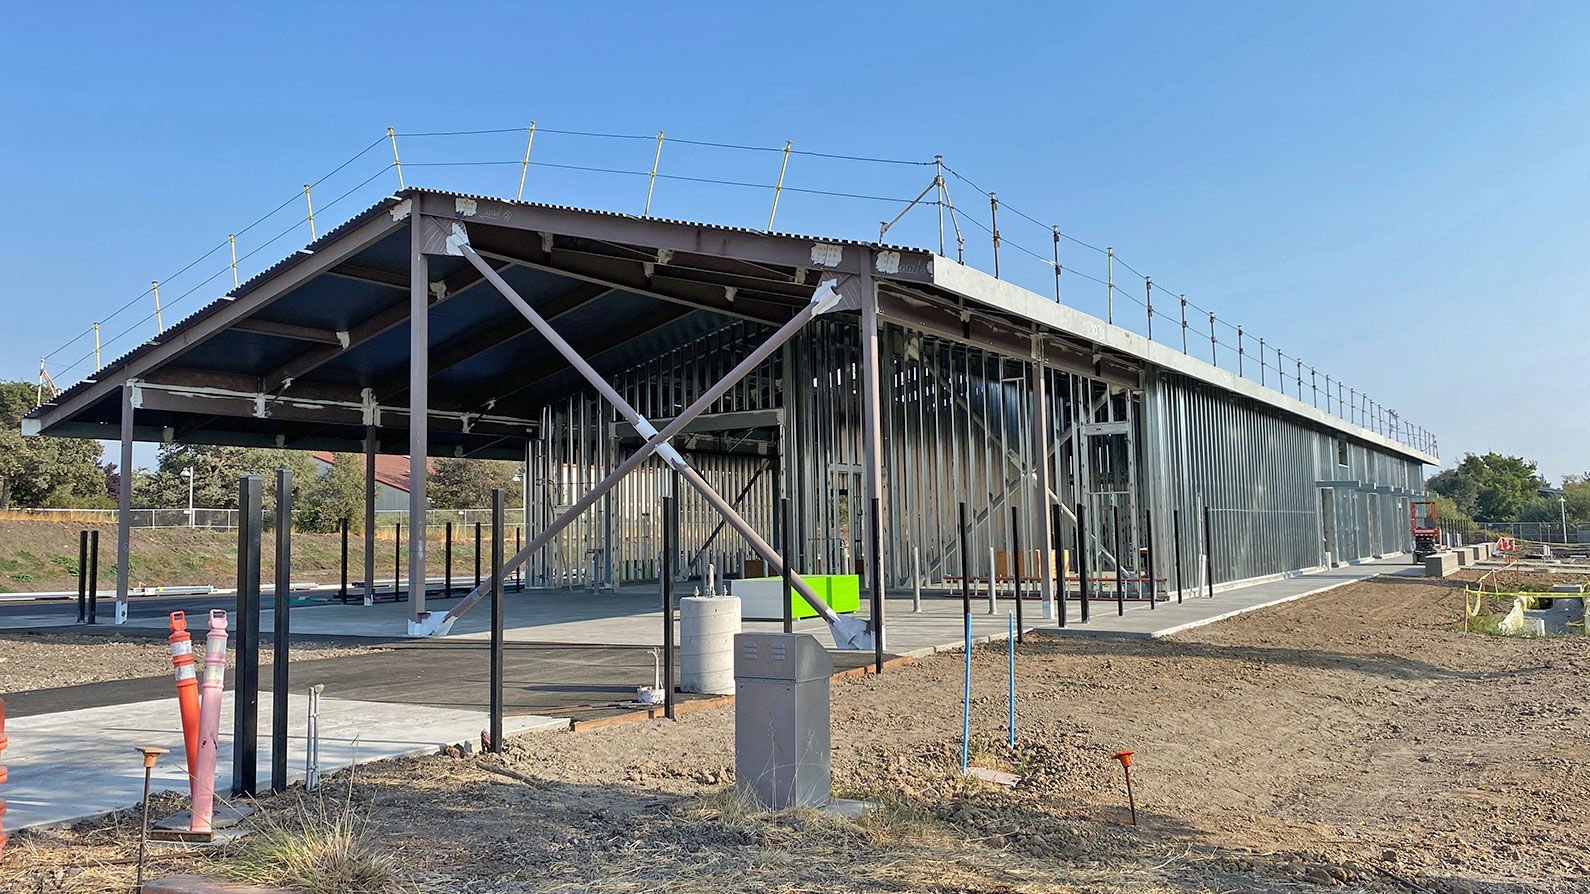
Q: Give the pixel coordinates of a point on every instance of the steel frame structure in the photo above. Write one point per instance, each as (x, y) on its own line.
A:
(876, 386)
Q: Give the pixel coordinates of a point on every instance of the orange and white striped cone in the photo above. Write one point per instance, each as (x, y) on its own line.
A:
(209, 722)
(187, 689)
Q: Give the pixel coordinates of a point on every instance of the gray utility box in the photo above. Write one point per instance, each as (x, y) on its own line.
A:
(781, 724)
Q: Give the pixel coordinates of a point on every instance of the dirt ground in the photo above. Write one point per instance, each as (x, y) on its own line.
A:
(47, 661)
(1354, 739)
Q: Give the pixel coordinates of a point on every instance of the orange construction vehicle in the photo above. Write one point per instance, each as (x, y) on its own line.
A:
(1426, 536)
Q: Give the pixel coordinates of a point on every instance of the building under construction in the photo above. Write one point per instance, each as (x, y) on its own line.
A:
(880, 388)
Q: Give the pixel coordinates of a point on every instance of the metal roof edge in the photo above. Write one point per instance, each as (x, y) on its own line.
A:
(974, 284)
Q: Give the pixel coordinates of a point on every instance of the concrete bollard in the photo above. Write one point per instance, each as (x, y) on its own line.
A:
(707, 627)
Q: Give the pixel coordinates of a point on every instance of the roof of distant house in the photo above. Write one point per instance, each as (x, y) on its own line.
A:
(392, 471)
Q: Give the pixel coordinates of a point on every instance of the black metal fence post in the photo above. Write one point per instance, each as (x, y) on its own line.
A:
(518, 574)
(477, 555)
(245, 708)
(397, 561)
(1015, 547)
(1058, 564)
(342, 590)
(1153, 585)
(789, 567)
(281, 604)
(93, 574)
(1209, 554)
(1175, 524)
(82, 575)
(447, 560)
(875, 579)
(1082, 561)
(498, 533)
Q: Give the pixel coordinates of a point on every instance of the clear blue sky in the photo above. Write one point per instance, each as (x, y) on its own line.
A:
(1397, 193)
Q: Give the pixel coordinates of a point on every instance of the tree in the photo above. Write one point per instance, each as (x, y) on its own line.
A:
(1541, 510)
(216, 471)
(1492, 487)
(337, 495)
(43, 472)
(467, 483)
(1459, 489)
(1576, 488)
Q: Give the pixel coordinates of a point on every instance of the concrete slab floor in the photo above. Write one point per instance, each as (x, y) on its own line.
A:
(71, 765)
(1170, 618)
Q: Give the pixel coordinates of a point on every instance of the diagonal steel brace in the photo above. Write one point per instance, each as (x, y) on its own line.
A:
(848, 633)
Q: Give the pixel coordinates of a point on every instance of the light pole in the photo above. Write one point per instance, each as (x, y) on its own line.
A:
(1562, 500)
(188, 474)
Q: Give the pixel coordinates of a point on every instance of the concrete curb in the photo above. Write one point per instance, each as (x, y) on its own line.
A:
(1100, 633)
(200, 884)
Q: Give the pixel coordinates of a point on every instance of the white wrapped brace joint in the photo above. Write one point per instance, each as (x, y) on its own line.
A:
(431, 624)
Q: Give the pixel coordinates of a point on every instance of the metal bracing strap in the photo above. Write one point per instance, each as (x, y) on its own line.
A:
(707, 544)
(1012, 458)
(848, 632)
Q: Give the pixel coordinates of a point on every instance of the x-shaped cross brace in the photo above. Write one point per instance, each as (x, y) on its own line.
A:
(848, 633)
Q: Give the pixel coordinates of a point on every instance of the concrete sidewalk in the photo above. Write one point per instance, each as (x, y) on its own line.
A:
(1167, 619)
(73, 765)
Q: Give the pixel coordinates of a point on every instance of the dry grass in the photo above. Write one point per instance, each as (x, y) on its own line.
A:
(93, 857)
(315, 843)
(724, 842)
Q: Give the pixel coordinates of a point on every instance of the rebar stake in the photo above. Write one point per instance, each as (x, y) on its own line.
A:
(150, 754)
(1125, 757)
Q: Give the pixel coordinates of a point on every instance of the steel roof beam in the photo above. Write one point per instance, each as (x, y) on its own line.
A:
(289, 330)
(754, 247)
(371, 275)
(215, 402)
(372, 326)
(195, 332)
(592, 347)
(470, 346)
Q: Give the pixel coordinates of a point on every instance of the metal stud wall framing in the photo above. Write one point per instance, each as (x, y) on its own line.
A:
(957, 428)
(1260, 474)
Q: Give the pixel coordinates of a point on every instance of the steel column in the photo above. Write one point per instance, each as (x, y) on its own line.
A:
(872, 461)
(419, 407)
(369, 514)
(124, 503)
(494, 722)
(1045, 521)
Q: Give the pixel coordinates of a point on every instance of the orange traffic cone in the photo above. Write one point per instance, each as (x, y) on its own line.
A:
(187, 689)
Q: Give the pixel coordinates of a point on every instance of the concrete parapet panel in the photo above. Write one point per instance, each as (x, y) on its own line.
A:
(1440, 564)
